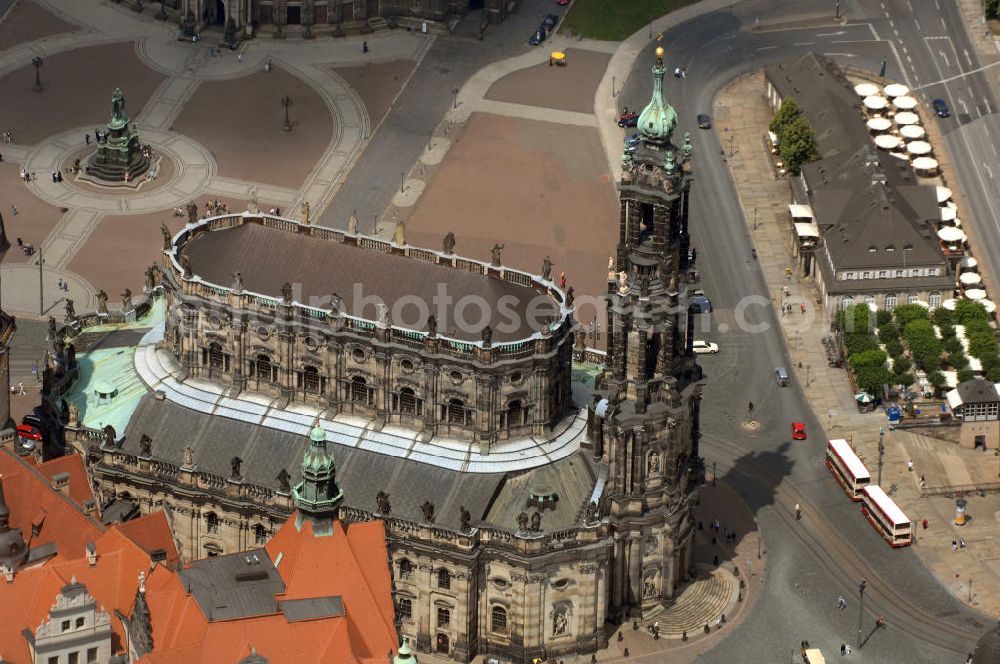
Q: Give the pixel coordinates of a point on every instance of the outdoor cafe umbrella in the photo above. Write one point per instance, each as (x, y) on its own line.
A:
(918, 147)
(863, 397)
(879, 124)
(949, 304)
(925, 164)
(975, 294)
(950, 234)
(866, 89)
(968, 263)
(989, 305)
(970, 278)
(948, 214)
(895, 90)
(876, 102)
(905, 103)
(907, 118)
(912, 132)
(943, 193)
(888, 141)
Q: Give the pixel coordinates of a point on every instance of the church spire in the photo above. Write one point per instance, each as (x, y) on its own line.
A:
(317, 496)
(658, 119)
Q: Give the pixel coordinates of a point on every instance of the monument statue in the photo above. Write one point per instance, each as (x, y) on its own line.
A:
(465, 518)
(559, 621)
(536, 522)
(304, 213)
(108, 439)
(252, 207)
(547, 269)
(382, 502)
(570, 296)
(399, 234)
(167, 240)
(186, 270)
(496, 254)
(382, 314)
(591, 511)
(487, 336)
(654, 464)
(611, 268)
(623, 282)
(522, 522)
(127, 300)
(119, 158)
(237, 282)
(192, 212)
(188, 457)
(286, 293)
(70, 316)
(449, 243)
(102, 303)
(428, 509)
(432, 326)
(234, 464)
(149, 282)
(352, 223)
(73, 414)
(145, 446)
(284, 481)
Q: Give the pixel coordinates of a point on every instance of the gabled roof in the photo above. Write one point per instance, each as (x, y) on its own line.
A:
(977, 390)
(79, 487)
(152, 533)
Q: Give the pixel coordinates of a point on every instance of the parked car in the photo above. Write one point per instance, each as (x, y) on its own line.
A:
(549, 22)
(701, 346)
(628, 119)
(700, 305)
(632, 139)
(782, 376)
(798, 431)
(940, 107)
(704, 122)
(562, 3)
(537, 38)
(28, 436)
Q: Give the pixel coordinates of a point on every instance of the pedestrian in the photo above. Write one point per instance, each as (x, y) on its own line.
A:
(924, 524)
(87, 138)
(20, 242)
(13, 210)
(59, 285)
(909, 465)
(54, 176)
(954, 545)
(961, 542)
(841, 602)
(34, 369)
(843, 649)
(239, 58)
(364, 47)
(97, 135)
(20, 389)
(803, 305)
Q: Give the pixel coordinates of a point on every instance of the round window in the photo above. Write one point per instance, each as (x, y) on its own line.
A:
(311, 343)
(263, 333)
(456, 377)
(406, 366)
(358, 354)
(516, 377)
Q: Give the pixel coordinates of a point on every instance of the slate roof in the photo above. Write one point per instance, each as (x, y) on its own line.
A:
(977, 391)
(267, 258)
(490, 498)
(238, 585)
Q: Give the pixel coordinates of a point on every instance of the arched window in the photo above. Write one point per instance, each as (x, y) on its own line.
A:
(311, 381)
(846, 301)
(498, 619)
(515, 414)
(444, 579)
(214, 357)
(405, 609)
(456, 412)
(259, 535)
(869, 299)
(890, 301)
(934, 299)
(212, 522)
(263, 368)
(359, 390)
(910, 299)
(407, 401)
(405, 569)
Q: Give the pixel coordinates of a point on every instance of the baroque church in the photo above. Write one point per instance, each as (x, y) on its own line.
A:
(522, 520)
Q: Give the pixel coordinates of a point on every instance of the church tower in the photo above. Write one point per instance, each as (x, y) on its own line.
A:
(643, 420)
(317, 496)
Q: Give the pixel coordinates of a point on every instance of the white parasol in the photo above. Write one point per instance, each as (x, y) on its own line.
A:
(912, 132)
(900, 155)
(951, 235)
(876, 102)
(968, 263)
(905, 103)
(907, 118)
(866, 89)
(949, 304)
(943, 194)
(970, 279)
(975, 294)
(918, 147)
(888, 141)
(879, 124)
(895, 90)
(989, 305)
(948, 214)
(925, 164)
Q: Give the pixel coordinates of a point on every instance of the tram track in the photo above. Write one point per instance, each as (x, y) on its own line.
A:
(838, 557)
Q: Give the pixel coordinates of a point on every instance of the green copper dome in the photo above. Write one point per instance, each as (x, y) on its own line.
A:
(658, 119)
(318, 496)
(318, 434)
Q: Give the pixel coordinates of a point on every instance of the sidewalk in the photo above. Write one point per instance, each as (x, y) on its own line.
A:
(829, 391)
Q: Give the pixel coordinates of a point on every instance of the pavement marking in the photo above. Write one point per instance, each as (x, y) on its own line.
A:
(968, 58)
(832, 34)
(989, 171)
(917, 23)
(803, 43)
(844, 55)
(768, 48)
(909, 5)
(899, 63)
(944, 56)
(949, 79)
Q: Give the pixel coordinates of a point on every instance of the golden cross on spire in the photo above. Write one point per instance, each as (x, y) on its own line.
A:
(660, 51)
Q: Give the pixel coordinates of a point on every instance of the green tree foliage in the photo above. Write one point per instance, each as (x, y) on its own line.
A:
(901, 365)
(982, 344)
(870, 370)
(976, 326)
(968, 310)
(895, 349)
(943, 317)
(965, 374)
(905, 313)
(958, 360)
(993, 375)
(787, 112)
(797, 145)
(992, 9)
(924, 345)
(855, 318)
(952, 345)
(882, 318)
(936, 378)
(859, 343)
(887, 331)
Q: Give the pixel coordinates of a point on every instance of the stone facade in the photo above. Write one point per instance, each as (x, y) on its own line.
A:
(76, 630)
(7, 327)
(317, 17)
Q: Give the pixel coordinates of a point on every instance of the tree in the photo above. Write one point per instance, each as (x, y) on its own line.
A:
(936, 378)
(797, 144)
(883, 317)
(925, 347)
(901, 365)
(887, 331)
(968, 310)
(943, 317)
(965, 374)
(788, 111)
(992, 9)
(982, 344)
(958, 360)
(870, 370)
(905, 313)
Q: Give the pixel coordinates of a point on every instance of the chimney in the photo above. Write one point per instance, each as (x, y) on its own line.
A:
(91, 554)
(60, 482)
(8, 573)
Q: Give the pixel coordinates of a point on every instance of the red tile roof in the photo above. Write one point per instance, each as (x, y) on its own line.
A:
(350, 563)
(152, 532)
(80, 490)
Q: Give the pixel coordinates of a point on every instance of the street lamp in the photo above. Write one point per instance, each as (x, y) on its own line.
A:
(41, 289)
(286, 101)
(37, 62)
(881, 452)
(861, 607)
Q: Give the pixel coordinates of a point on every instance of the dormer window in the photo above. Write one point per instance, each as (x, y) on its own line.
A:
(872, 249)
(907, 247)
(890, 248)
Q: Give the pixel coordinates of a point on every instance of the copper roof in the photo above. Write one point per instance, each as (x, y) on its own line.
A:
(267, 258)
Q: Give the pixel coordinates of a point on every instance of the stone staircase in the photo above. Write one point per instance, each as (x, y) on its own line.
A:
(700, 602)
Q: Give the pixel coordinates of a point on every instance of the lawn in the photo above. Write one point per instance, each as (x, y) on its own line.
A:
(614, 20)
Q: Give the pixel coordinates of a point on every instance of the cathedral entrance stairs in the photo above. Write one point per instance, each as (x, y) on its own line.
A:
(701, 602)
